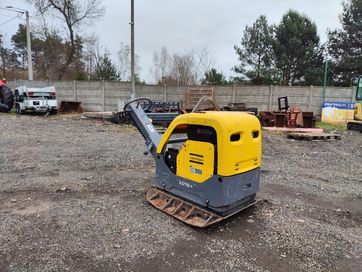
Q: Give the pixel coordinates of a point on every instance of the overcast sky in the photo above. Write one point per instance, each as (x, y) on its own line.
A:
(186, 24)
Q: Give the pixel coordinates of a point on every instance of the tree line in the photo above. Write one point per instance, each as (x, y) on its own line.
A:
(288, 53)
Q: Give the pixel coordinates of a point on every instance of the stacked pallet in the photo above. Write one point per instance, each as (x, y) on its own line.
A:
(314, 136)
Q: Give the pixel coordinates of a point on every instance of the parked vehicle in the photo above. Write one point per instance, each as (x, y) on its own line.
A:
(42, 100)
(6, 97)
(356, 124)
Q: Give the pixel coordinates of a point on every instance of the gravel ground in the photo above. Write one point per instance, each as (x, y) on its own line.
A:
(72, 199)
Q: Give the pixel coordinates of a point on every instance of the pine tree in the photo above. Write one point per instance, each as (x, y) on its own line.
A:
(106, 70)
(213, 77)
(256, 52)
(345, 45)
(298, 55)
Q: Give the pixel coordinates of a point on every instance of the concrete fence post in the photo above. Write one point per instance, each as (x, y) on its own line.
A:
(311, 91)
(271, 93)
(234, 94)
(103, 95)
(353, 99)
(74, 90)
(164, 92)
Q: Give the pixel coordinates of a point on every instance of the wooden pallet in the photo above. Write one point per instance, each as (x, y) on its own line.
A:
(193, 95)
(314, 136)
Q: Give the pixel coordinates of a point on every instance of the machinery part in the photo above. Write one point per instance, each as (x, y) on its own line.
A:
(206, 100)
(281, 119)
(214, 169)
(160, 106)
(161, 113)
(122, 117)
(240, 107)
(162, 118)
(4, 108)
(17, 96)
(283, 103)
(159, 118)
(144, 102)
(70, 107)
(309, 119)
(235, 107)
(355, 125)
(267, 118)
(6, 99)
(19, 111)
(292, 118)
(184, 210)
(181, 209)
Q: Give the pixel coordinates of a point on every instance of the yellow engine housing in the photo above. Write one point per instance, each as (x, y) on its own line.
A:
(238, 147)
(195, 161)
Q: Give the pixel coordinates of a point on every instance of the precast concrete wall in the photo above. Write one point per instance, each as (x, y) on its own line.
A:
(105, 95)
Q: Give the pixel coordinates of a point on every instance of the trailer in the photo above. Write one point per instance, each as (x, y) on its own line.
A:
(40, 100)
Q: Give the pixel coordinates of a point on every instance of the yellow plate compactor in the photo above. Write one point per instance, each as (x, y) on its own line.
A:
(207, 163)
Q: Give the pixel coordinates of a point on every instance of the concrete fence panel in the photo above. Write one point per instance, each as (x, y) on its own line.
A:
(105, 95)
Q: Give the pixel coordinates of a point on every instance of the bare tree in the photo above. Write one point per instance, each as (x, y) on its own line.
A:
(204, 61)
(92, 54)
(183, 69)
(73, 13)
(161, 65)
(124, 57)
(186, 68)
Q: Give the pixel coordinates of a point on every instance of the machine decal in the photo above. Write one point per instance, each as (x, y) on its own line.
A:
(151, 128)
(196, 171)
(182, 183)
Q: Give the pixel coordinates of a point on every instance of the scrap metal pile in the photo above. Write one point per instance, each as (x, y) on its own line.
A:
(203, 99)
(287, 116)
(161, 113)
(195, 99)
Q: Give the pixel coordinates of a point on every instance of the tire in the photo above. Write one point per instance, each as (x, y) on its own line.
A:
(17, 97)
(18, 110)
(6, 98)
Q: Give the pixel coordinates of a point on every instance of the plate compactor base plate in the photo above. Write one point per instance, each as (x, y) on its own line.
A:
(185, 211)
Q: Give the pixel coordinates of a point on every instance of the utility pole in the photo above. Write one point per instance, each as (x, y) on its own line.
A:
(28, 45)
(28, 38)
(2, 56)
(325, 79)
(133, 76)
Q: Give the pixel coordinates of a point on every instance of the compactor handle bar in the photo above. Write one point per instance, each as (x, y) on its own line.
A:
(143, 123)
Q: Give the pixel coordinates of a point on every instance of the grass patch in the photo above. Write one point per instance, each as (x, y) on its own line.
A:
(11, 112)
(331, 127)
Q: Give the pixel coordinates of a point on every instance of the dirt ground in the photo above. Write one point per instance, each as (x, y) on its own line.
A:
(72, 199)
